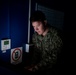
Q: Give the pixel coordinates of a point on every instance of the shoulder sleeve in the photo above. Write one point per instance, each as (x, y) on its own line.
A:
(34, 37)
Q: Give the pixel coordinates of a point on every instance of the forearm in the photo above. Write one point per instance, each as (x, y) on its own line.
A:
(47, 62)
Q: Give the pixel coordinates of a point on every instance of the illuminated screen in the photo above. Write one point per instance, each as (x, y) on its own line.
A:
(6, 42)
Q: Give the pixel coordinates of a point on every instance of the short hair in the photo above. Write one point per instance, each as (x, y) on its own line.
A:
(37, 16)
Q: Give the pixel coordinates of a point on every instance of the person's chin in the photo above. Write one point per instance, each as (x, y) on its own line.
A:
(39, 33)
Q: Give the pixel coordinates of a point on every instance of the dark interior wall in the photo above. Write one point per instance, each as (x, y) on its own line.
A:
(4, 24)
(69, 32)
(53, 4)
(18, 22)
(13, 24)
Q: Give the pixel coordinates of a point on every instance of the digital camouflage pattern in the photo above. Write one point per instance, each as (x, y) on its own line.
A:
(46, 49)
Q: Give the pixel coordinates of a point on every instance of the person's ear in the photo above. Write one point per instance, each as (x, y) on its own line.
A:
(45, 21)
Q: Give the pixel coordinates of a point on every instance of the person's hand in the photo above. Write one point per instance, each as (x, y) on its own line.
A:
(27, 67)
(31, 68)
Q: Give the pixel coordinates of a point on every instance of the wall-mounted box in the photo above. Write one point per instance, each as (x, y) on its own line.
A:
(5, 44)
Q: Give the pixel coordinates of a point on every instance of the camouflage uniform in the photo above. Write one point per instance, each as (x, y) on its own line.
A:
(46, 49)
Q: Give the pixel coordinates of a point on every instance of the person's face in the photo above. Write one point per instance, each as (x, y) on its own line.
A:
(38, 27)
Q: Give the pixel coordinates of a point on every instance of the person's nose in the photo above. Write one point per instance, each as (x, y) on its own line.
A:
(36, 29)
